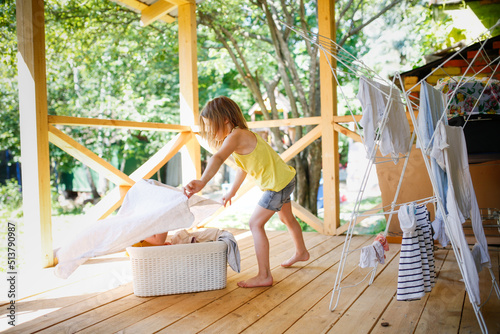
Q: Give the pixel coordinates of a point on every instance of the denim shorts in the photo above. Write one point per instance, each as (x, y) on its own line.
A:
(274, 200)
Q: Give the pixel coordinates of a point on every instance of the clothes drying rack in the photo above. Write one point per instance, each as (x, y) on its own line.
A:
(352, 66)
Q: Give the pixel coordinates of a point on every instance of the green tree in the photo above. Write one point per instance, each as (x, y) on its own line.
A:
(268, 56)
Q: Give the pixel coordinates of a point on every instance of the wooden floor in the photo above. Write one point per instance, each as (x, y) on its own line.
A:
(296, 303)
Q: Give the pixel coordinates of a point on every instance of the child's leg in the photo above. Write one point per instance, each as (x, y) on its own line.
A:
(157, 239)
(264, 278)
(287, 217)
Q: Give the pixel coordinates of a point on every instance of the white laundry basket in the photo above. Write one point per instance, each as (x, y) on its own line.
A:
(173, 269)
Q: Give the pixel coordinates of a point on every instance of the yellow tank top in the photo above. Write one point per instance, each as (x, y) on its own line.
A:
(266, 166)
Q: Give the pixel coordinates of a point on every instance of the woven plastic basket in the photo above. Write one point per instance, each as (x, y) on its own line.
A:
(173, 269)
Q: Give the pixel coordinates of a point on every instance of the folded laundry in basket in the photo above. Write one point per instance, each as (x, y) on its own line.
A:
(149, 208)
(212, 234)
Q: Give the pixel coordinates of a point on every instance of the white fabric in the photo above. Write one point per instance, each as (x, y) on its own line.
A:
(212, 234)
(233, 252)
(455, 217)
(431, 108)
(148, 208)
(450, 141)
(368, 257)
(395, 138)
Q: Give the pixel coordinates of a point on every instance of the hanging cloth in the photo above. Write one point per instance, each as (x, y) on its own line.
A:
(426, 246)
(451, 136)
(410, 276)
(432, 106)
(374, 100)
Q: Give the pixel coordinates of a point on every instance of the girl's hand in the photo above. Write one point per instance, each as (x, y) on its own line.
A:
(227, 198)
(193, 187)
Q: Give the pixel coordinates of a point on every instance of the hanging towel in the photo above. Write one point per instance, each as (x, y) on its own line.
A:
(410, 276)
(431, 111)
(375, 102)
(455, 215)
(450, 142)
(426, 251)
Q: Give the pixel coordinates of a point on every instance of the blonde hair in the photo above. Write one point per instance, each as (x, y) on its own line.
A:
(218, 111)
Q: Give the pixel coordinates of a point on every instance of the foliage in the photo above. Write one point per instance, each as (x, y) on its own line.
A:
(9, 106)
(102, 64)
(11, 199)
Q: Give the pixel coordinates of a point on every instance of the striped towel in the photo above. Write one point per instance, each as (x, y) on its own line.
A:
(421, 217)
(410, 277)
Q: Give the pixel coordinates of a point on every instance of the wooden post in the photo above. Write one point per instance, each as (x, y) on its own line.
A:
(34, 132)
(326, 26)
(188, 72)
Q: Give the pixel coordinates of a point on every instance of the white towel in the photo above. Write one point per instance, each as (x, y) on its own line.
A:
(148, 208)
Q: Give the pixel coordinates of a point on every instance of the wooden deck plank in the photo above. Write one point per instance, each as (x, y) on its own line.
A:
(163, 314)
(251, 311)
(284, 315)
(490, 310)
(298, 302)
(71, 311)
(319, 318)
(445, 303)
(403, 316)
(364, 313)
(85, 304)
(192, 322)
(86, 319)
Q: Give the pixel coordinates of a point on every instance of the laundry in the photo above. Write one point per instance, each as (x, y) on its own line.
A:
(395, 138)
(212, 234)
(440, 232)
(383, 241)
(148, 209)
(371, 255)
(410, 275)
(431, 112)
(450, 146)
(426, 247)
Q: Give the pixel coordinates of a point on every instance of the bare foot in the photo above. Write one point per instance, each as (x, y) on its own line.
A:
(296, 258)
(256, 281)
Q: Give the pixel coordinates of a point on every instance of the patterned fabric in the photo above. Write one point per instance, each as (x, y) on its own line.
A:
(410, 276)
(463, 101)
(416, 262)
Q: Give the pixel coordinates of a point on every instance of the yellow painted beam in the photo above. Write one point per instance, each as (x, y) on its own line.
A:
(301, 144)
(160, 158)
(140, 6)
(33, 133)
(330, 148)
(107, 205)
(349, 133)
(157, 10)
(114, 199)
(87, 157)
(307, 217)
(182, 2)
(188, 84)
(113, 123)
(284, 122)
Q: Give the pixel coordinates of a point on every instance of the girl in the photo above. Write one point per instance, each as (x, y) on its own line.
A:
(223, 125)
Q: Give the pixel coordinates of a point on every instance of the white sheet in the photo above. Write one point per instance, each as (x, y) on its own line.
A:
(149, 208)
